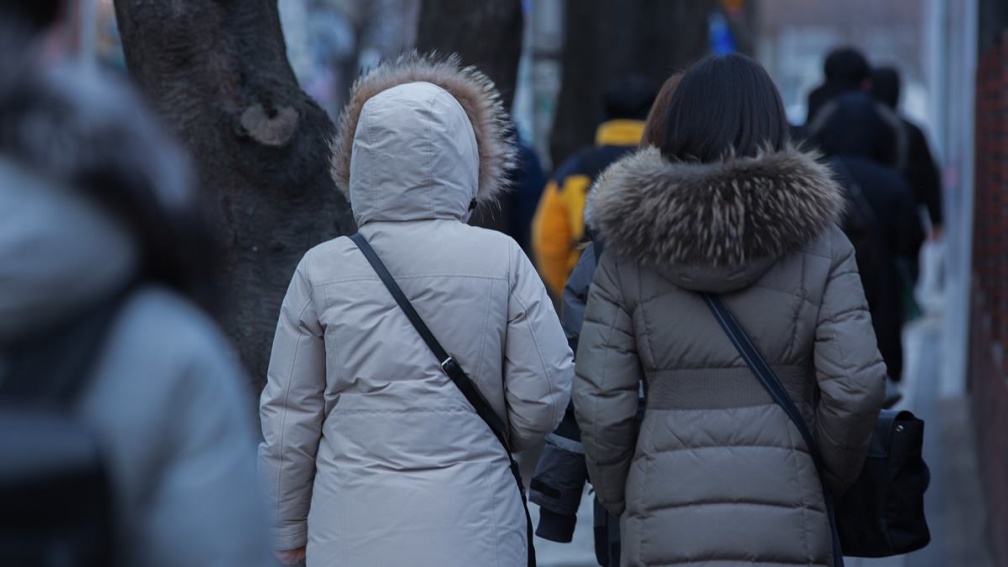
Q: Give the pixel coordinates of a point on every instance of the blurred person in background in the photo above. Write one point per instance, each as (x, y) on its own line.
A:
(862, 147)
(371, 454)
(846, 69)
(523, 198)
(561, 473)
(98, 219)
(725, 206)
(917, 163)
(558, 228)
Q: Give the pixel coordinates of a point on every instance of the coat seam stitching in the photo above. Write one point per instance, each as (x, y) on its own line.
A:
(542, 361)
(283, 421)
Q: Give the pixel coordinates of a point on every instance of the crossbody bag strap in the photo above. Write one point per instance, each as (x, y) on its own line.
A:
(447, 362)
(454, 372)
(758, 365)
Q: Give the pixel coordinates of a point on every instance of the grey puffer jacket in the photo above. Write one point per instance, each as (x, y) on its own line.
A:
(372, 456)
(717, 473)
(167, 399)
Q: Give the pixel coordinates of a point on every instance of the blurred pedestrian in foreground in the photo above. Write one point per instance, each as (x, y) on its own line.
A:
(862, 145)
(917, 164)
(372, 455)
(561, 474)
(558, 228)
(98, 221)
(727, 206)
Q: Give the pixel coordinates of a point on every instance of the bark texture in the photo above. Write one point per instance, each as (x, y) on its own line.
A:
(487, 34)
(217, 72)
(606, 40)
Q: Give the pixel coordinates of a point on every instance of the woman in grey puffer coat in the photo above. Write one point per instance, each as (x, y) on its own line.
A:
(372, 456)
(717, 473)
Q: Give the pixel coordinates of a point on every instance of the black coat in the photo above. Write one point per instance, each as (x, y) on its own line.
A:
(561, 473)
(889, 207)
(861, 140)
(921, 172)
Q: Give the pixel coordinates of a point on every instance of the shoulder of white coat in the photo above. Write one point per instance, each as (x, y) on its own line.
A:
(327, 261)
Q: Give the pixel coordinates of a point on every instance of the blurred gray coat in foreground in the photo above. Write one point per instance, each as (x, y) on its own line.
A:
(166, 399)
(372, 455)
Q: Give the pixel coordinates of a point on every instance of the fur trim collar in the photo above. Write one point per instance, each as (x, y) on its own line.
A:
(474, 91)
(720, 214)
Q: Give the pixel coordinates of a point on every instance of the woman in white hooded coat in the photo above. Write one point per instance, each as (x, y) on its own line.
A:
(372, 456)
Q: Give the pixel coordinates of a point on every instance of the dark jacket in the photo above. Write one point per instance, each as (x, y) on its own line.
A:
(529, 181)
(857, 139)
(561, 473)
(921, 171)
(558, 227)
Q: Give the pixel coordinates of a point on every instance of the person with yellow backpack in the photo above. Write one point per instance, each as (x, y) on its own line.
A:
(558, 231)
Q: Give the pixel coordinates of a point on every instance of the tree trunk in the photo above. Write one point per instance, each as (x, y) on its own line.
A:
(487, 34)
(607, 40)
(217, 72)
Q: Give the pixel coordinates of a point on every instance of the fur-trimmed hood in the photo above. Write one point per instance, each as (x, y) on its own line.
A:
(715, 226)
(422, 137)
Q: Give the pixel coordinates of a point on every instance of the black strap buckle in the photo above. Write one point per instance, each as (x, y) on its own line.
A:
(450, 366)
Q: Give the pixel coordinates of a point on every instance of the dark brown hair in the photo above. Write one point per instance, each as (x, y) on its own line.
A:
(654, 127)
(724, 104)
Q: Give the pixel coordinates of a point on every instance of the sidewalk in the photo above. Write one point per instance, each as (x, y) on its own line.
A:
(954, 502)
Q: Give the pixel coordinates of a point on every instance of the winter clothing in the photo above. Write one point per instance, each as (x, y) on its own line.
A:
(846, 70)
(717, 473)
(860, 226)
(921, 171)
(558, 227)
(524, 196)
(917, 163)
(849, 132)
(166, 399)
(575, 294)
(560, 475)
(371, 455)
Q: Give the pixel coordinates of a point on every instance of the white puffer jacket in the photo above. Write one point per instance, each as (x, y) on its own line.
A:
(371, 455)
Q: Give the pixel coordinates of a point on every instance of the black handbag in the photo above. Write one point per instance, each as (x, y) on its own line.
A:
(882, 514)
(455, 373)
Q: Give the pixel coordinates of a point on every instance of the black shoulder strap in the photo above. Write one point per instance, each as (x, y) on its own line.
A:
(448, 364)
(454, 372)
(755, 361)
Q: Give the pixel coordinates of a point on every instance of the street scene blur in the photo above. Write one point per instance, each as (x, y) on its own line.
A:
(504, 282)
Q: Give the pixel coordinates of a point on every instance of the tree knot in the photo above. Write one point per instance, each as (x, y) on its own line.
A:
(272, 127)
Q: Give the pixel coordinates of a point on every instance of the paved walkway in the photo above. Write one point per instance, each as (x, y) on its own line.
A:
(954, 502)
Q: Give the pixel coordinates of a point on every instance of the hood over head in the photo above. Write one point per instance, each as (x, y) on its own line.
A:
(422, 138)
(86, 176)
(58, 253)
(713, 226)
(855, 124)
